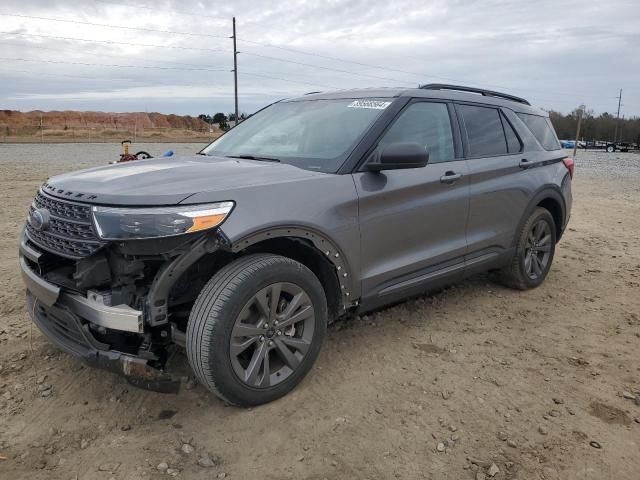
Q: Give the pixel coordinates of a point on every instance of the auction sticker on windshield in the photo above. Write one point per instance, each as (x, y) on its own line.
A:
(374, 104)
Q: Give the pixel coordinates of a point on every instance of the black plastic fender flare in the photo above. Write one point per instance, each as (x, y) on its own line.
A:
(321, 242)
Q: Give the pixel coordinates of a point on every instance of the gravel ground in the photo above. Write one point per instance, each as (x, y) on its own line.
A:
(613, 165)
(472, 382)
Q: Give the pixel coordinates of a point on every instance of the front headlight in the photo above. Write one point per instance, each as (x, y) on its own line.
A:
(115, 223)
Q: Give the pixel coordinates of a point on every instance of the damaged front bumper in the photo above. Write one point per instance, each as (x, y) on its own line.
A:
(91, 307)
(65, 319)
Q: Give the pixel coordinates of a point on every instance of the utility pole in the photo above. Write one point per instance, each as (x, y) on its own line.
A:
(575, 145)
(235, 67)
(615, 136)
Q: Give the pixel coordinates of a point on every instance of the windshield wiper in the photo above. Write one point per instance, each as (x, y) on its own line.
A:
(254, 157)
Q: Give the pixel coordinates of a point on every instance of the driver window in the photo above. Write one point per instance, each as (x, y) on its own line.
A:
(425, 123)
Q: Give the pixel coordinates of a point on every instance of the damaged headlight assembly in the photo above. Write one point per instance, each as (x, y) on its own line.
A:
(115, 223)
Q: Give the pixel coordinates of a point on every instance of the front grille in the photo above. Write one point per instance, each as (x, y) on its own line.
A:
(63, 209)
(70, 232)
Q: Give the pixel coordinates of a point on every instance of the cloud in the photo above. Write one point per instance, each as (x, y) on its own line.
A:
(556, 54)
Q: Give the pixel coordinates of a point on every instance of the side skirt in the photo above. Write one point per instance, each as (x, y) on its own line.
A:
(439, 277)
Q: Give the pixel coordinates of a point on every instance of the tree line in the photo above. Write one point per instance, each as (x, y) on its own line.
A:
(221, 119)
(601, 127)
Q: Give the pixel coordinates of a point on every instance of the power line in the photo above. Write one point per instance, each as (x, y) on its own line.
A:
(313, 84)
(422, 76)
(165, 68)
(328, 57)
(310, 65)
(121, 27)
(155, 9)
(124, 97)
(148, 82)
(114, 65)
(391, 69)
(146, 57)
(289, 49)
(65, 75)
(217, 36)
(113, 42)
(324, 68)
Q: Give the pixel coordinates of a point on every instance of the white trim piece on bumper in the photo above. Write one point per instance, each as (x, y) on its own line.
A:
(119, 317)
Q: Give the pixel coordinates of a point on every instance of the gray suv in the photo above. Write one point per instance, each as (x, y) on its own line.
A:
(315, 208)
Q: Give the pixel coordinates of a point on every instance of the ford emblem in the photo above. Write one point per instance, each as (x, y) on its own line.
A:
(40, 219)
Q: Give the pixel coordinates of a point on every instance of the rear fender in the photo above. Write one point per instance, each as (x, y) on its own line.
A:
(552, 192)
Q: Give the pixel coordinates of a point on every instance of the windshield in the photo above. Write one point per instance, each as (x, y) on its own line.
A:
(311, 134)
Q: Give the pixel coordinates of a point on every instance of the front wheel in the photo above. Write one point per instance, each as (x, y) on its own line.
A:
(256, 329)
(534, 252)
(611, 148)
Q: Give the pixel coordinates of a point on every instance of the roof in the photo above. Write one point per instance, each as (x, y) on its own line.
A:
(421, 93)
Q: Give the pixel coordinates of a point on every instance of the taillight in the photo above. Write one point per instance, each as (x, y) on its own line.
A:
(570, 164)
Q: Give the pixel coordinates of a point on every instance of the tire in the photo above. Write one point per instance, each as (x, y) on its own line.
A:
(611, 148)
(237, 301)
(524, 273)
(142, 155)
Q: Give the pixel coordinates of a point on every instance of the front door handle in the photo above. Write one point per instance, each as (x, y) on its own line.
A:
(524, 164)
(450, 177)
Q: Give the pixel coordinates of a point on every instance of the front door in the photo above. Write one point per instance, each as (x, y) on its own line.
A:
(412, 222)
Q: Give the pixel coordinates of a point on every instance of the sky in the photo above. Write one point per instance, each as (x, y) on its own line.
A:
(175, 56)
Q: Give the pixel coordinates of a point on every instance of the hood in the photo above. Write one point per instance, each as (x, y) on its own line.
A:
(169, 181)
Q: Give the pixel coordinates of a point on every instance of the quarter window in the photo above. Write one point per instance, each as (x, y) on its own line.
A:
(485, 135)
(425, 123)
(542, 129)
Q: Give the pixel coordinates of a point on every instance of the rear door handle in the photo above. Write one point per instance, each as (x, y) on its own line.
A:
(524, 164)
(450, 177)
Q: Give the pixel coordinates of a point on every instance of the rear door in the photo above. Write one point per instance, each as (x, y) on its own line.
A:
(412, 222)
(498, 190)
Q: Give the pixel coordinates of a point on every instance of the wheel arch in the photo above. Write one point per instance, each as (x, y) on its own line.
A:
(556, 210)
(314, 250)
(549, 197)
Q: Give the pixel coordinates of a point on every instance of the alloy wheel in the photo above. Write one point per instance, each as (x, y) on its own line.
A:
(537, 252)
(272, 334)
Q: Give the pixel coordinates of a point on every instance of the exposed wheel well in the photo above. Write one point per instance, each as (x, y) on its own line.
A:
(555, 209)
(303, 251)
(187, 286)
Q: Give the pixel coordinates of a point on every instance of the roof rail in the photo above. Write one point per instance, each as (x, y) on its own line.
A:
(481, 91)
(311, 93)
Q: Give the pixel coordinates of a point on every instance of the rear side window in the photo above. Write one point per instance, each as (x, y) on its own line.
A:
(425, 123)
(513, 142)
(485, 135)
(542, 129)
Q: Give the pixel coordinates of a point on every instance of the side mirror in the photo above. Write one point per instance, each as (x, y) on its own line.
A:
(396, 156)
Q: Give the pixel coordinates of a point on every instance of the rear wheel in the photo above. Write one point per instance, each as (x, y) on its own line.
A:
(256, 329)
(611, 148)
(534, 252)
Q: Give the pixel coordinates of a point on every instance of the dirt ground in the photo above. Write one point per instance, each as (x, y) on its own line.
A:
(470, 382)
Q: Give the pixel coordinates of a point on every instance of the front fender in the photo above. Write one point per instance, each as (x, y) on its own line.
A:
(332, 252)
